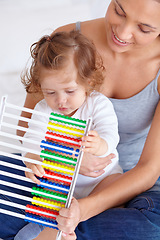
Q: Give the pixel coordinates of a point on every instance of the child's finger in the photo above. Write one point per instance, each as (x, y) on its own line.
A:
(93, 133)
(32, 177)
(36, 171)
(88, 150)
(40, 169)
(89, 139)
(87, 144)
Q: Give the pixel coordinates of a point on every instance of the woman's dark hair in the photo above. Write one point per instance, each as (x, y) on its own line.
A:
(52, 53)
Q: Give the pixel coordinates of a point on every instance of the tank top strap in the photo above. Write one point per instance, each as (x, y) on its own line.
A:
(78, 26)
(156, 79)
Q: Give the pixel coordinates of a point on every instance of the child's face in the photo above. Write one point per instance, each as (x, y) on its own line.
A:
(61, 90)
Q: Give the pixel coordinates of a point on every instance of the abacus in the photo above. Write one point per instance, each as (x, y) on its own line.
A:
(61, 155)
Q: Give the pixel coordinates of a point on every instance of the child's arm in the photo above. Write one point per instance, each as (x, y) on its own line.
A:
(94, 144)
(36, 169)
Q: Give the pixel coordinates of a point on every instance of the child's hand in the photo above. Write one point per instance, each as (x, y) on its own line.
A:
(36, 169)
(94, 144)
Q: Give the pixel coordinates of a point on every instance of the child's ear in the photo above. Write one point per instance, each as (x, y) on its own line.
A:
(90, 86)
(90, 82)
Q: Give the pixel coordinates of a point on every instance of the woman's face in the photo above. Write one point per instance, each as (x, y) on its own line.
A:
(132, 24)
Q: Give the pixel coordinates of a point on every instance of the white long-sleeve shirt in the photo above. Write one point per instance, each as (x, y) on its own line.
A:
(104, 121)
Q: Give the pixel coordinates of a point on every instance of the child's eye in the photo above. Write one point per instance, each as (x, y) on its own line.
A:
(70, 91)
(50, 93)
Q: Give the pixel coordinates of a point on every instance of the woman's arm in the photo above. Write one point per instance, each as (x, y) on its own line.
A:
(139, 179)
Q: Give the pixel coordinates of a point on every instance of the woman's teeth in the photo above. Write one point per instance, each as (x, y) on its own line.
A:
(119, 39)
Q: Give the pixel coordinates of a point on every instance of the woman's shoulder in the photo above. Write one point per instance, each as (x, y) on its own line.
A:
(86, 26)
(92, 29)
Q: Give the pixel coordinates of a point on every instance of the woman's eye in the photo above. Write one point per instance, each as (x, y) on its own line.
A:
(144, 31)
(117, 12)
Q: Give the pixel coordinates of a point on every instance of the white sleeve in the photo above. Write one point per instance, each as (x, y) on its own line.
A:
(39, 126)
(105, 122)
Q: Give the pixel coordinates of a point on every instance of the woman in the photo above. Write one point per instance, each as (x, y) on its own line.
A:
(129, 43)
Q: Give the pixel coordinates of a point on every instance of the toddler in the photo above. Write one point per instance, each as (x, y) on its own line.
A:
(68, 72)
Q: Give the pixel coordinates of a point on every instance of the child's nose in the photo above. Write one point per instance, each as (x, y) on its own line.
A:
(61, 99)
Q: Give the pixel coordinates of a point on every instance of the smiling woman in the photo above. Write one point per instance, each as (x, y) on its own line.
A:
(129, 31)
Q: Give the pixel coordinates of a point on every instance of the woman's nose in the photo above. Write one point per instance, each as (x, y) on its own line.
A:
(125, 31)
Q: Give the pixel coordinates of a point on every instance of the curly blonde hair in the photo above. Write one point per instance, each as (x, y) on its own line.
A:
(51, 52)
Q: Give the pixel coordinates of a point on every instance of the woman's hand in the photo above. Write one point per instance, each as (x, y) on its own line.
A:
(92, 166)
(36, 169)
(68, 220)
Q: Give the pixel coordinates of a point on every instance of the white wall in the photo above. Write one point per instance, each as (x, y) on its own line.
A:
(24, 21)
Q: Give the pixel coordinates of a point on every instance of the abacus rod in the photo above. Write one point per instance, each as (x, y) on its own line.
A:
(20, 206)
(26, 179)
(30, 120)
(77, 167)
(18, 167)
(63, 138)
(16, 176)
(41, 113)
(5, 134)
(25, 169)
(2, 108)
(29, 141)
(73, 183)
(28, 189)
(24, 129)
(14, 214)
(12, 204)
(23, 139)
(11, 155)
(24, 119)
(24, 149)
(28, 199)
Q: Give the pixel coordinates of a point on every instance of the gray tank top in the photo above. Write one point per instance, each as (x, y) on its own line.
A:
(135, 115)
